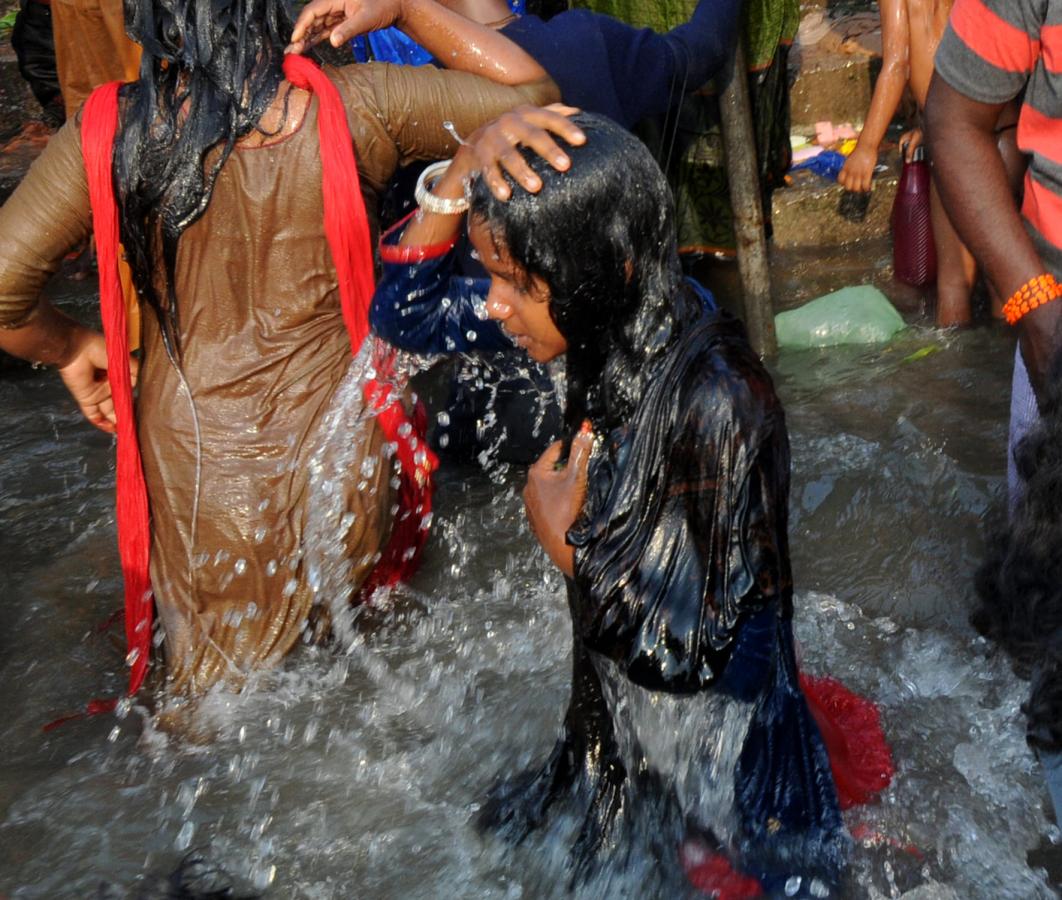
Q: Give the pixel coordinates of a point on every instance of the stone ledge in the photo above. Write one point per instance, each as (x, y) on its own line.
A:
(833, 66)
(805, 214)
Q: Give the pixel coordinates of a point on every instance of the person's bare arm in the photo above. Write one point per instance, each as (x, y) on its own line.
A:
(46, 216)
(973, 185)
(47, 337)
(458, 43)
(489, 150)
(79, 353)
(858, 170)
(486, 12)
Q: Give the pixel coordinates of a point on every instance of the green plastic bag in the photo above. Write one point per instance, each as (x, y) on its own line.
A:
(852, 315)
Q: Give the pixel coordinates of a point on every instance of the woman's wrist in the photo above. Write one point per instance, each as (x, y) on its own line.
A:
(74, 338)
(454, 181)
(49, 338)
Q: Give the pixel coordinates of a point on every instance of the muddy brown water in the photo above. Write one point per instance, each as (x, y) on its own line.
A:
(355, 774)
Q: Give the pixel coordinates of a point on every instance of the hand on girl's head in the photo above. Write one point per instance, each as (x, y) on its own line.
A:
(496, 145)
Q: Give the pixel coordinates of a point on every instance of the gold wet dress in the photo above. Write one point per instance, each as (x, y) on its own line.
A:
(262, 349)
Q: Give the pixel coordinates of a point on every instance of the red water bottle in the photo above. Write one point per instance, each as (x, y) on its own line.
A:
(914, 255)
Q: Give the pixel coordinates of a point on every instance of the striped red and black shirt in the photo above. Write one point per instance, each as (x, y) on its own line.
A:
(990, 51)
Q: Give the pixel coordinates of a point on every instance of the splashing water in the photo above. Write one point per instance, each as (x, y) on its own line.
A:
(356, 773)
(343, 462)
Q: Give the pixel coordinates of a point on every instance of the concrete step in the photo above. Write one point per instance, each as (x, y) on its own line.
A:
(833, 65)
(805, 214)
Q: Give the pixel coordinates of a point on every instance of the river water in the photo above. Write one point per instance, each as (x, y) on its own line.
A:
(355, 774)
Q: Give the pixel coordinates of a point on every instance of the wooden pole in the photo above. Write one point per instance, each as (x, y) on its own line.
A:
(739, 145)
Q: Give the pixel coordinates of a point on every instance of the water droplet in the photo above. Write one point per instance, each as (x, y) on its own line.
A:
(271, 567)
(241, 566)
(184, 837)
(259, 534)
(792, 885)
(443, 418)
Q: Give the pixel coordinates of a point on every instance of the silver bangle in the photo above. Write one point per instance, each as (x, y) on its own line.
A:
(451, 130)
(426, 200)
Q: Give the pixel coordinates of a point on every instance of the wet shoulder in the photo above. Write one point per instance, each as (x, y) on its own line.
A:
(722, 379)
(362, 87)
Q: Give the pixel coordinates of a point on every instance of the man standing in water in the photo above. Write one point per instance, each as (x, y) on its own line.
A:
(991, 51)
(911, 31)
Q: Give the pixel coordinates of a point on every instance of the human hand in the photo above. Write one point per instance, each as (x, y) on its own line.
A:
(858, 170)
(494, 146)
(909, 142)
(340, 20)
(85, 376)
(554, 497)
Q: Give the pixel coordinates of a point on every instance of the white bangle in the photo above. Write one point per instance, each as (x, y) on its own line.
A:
(426, 200)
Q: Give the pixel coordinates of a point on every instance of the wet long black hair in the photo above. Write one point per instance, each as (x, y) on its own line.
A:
(209, 70)
(1019, 585)
(602, 238)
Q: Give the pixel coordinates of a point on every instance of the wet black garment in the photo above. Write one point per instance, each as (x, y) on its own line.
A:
(683, 593)
(685, 525)
(35, 49)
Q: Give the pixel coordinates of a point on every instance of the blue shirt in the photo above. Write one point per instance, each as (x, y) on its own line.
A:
(603, 65)
(421, 306)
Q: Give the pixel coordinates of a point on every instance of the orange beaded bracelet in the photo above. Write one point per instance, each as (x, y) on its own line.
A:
(1035, 292)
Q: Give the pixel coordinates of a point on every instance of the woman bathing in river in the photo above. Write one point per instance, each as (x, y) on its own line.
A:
(217, 174)
(666, 510)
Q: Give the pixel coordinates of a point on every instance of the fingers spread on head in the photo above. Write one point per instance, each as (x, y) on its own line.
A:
(542, 143)
(555, 119)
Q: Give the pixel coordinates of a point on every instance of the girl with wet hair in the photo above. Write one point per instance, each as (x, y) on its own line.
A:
(247, 222)
(665, 508)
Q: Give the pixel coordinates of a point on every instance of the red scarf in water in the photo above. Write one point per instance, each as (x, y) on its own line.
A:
(347, 229)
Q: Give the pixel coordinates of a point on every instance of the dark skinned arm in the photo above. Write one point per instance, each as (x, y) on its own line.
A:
(972, 181)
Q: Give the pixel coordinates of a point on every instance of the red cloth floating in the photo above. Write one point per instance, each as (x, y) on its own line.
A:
(712, 875)
(851, 729)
